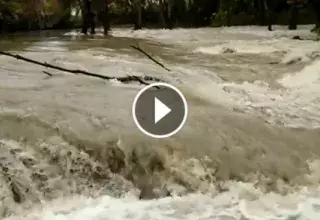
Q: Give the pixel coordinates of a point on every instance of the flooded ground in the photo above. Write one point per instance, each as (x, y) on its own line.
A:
(249, 149)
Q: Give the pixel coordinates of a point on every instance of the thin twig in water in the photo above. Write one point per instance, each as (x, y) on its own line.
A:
(47, 73)
(149, 56)
(123, 79)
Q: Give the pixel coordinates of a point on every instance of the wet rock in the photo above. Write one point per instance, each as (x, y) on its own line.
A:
(99, 173)
(156, 163)
(176, 190)
(147, 193)
(4, 169)
(221, 187)
(293, 61)
(17, 195)
(27, 161)
(137, 169)
(116, 159)
(39, 176)
(227, 50)
(315, 54)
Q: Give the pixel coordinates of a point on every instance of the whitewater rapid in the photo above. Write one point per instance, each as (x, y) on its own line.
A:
(249, 150)
(241, 202)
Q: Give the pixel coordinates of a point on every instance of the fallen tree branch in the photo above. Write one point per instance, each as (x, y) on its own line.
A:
(123, 79)
(150, 57)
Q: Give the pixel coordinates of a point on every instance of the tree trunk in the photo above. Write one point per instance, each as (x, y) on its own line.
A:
(1, 26)
(165, 14)
(294, 13)
(162, 14)
(92, 23)
(65, 18)
(137, 8)
(87, 17)
(229, 14)
(169, 14)
(262, 12)
(268, 14)
(106, 18)
(316, 8)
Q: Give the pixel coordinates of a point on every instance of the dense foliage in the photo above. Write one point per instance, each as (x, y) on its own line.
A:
(44, 14)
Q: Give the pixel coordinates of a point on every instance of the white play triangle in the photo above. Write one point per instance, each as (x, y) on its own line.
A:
(160, 110)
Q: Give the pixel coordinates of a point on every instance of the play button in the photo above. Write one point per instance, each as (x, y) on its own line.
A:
(160, 110)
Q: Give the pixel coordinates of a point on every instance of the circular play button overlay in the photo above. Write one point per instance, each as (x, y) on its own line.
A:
(160, 110)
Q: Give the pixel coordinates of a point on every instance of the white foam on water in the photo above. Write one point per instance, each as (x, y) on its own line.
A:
(195, 35)
(52, 46)
(308, 77)
(255, 47)
(242, 201)
(278, 31)
(292, 49)
(248, 39)
(73, 33)
(295, 105)
(176, 35)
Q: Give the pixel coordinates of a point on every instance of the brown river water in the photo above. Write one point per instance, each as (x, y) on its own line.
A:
(249, 149)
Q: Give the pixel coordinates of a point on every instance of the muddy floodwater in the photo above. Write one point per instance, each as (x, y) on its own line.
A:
(69, 148)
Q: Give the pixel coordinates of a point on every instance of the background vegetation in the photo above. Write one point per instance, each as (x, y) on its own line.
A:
(21, 15)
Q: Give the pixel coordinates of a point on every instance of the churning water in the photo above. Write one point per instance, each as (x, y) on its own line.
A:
(249, 150)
